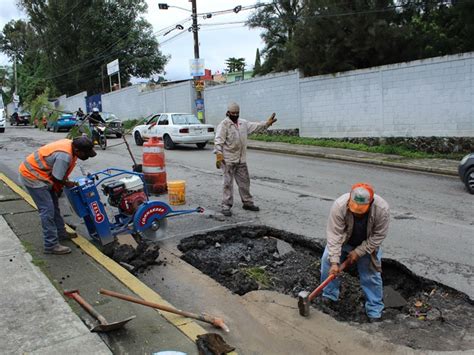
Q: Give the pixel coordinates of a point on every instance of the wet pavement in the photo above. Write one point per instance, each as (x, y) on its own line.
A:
(38, 319)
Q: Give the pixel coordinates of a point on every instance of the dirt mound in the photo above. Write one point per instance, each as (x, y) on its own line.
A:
(135, 259)
(244, 259)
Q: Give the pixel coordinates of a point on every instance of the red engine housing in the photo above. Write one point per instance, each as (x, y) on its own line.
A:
(130, 203)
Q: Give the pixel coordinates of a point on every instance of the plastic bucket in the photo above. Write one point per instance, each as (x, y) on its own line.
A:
(177, 192)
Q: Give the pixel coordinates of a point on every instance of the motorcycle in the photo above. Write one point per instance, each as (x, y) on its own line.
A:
(98, 135)
(96, 132)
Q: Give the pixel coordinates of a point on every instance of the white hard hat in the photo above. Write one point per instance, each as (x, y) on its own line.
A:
(95, 109)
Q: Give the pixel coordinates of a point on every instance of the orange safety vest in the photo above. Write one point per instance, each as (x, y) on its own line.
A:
(35, 167)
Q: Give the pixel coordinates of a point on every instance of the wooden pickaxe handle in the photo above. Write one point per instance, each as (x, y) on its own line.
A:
(328, 280)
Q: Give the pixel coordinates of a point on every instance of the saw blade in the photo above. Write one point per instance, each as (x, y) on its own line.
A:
(156, 231)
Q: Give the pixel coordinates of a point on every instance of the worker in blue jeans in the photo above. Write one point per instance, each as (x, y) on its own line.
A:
(357, 225)
(44, 173)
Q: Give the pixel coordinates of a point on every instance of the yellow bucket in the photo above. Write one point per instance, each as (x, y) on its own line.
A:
(177, 192)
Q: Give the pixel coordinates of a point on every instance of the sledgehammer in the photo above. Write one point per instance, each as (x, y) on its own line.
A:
(305, 298)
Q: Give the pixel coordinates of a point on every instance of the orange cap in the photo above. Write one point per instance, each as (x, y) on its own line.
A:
(361, 197)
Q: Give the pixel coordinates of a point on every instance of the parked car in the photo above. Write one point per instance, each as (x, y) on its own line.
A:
(20, 118)
(114, 126)
(3, 116)
(466, 172)
(64, 122)
(175, 128)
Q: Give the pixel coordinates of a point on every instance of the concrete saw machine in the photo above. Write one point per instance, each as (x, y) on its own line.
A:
(127, 192)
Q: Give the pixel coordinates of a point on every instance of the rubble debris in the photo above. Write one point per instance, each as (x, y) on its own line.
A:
(433, 325)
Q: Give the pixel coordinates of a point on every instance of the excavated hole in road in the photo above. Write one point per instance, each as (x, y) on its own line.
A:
(244, 259)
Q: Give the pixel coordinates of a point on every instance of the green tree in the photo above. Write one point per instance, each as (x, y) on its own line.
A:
(278, 20)
(76, 38)
(235, 64)
(257, 67)
(327, 36)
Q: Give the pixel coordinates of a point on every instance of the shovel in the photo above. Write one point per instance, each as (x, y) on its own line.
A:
(103, 325)
(216, 322)
(305, 298)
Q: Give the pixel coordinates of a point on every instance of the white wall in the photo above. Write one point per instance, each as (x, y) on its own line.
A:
(431, 97)
(258, 98)
(72, 103)
(131, 102)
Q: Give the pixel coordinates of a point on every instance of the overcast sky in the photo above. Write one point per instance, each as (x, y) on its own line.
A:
(217, 42)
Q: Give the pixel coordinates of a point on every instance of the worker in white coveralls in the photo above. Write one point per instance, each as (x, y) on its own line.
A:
(230, 148)
(357, 226)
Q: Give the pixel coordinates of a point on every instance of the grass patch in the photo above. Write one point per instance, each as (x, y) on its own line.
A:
(129, 124)
(259, 275)
(332, 143)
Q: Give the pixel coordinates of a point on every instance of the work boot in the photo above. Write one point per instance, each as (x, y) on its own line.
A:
(58, 249)
(68, 236)
(251, 208)
(226, 213)
(375, 320)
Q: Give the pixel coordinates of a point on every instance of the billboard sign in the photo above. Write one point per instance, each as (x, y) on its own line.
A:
(113, 67)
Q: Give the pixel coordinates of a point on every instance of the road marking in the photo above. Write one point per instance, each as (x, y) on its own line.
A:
(187, 326)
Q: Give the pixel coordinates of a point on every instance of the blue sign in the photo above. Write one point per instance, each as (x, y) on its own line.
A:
(94, 101)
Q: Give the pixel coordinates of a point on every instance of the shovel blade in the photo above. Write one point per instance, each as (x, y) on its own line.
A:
(111, 326)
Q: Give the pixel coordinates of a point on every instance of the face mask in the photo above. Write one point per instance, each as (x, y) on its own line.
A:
(234, 118)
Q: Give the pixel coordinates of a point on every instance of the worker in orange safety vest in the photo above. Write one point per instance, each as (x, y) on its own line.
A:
(44, 173)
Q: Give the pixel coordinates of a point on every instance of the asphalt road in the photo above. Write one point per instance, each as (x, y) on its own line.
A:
(432, 226)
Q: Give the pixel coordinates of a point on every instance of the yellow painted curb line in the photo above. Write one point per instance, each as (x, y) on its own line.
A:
(187, 326)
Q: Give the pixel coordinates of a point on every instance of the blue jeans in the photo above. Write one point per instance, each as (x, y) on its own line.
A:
(370, 281)
(51, 220)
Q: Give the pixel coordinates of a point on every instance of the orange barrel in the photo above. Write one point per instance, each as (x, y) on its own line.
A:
(154, 165)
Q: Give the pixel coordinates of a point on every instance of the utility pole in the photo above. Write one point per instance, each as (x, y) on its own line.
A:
(196, 48)
(16, 77)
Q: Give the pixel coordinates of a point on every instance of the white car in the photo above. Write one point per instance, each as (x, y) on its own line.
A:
(175, 128)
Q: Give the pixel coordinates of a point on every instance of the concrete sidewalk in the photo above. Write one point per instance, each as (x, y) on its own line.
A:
(437, 166)
(37, 319)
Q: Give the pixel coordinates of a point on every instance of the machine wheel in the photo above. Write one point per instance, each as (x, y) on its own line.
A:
(201, 145)
(56, 129)
(169, 144)
(118, 135)
(103, 142)
(469, 180)
(138, 138)
(2, 130)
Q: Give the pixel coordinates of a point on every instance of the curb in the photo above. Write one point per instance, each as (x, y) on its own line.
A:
(439, 171)
(187, 326)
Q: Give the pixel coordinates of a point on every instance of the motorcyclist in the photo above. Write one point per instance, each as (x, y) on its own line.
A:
(80, 114)
(94, 120)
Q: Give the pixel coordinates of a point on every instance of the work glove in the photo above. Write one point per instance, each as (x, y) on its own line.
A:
(335, 269)
(353, 257)
(219, 160)
(271, 120)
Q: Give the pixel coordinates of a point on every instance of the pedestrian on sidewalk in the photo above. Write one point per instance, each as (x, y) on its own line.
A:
(44, 173)
(357, 225)
(230, 148)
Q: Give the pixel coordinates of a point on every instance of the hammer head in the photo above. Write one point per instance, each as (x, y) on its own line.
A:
(68, 293)
(303, 303)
